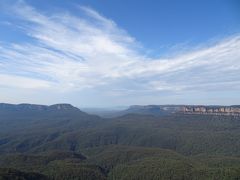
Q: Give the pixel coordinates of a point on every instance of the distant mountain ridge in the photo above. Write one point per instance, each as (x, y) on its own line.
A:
(160, 110)
(157, 110)
(154, 110)
(36, 107)
(213, 110)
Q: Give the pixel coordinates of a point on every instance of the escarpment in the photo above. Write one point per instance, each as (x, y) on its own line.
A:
(214, 110)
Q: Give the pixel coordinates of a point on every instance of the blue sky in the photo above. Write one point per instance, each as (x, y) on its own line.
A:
(111, 53)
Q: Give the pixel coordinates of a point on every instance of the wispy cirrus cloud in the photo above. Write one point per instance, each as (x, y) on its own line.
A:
(70, 53)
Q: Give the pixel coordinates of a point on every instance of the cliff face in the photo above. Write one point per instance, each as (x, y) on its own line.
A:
(215, 110)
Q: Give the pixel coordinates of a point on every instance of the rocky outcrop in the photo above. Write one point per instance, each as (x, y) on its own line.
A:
(214, 110)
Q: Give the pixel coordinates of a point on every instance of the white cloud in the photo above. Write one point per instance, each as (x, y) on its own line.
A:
(69, 52)
(12, 81)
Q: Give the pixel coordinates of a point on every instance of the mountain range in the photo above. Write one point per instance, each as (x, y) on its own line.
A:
(143, 142)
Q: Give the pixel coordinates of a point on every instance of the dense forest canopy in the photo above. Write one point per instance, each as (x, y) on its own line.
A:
(62, 142)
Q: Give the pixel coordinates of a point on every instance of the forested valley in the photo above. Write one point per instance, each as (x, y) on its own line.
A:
(63, 142)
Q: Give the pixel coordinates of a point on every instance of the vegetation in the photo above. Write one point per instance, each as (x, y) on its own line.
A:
(70, 144)
(12, 174)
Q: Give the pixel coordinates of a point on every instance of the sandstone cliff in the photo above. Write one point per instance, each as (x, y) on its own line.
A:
(215, 110)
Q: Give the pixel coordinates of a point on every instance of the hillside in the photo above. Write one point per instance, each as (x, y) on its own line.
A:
(62, 142)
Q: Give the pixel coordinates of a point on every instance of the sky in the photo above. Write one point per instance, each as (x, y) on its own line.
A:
(99, 53)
